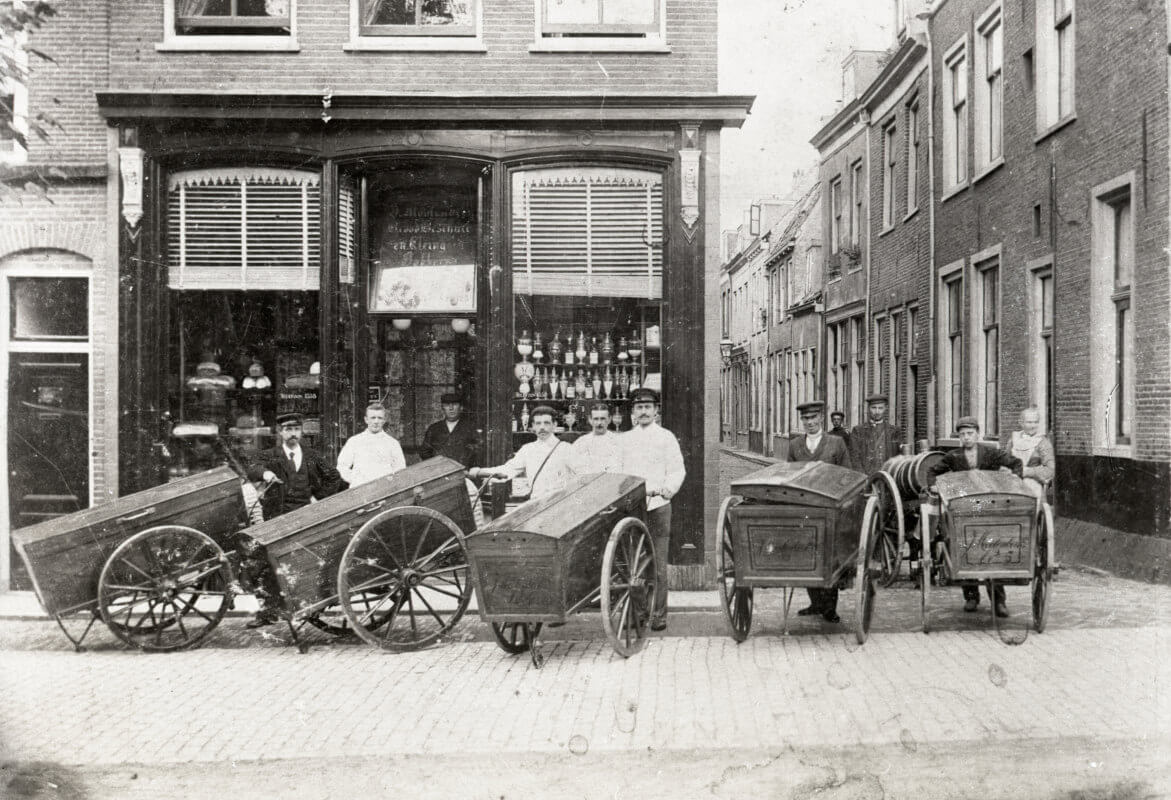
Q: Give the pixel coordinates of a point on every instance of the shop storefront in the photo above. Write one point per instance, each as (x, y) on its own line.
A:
(282, 263)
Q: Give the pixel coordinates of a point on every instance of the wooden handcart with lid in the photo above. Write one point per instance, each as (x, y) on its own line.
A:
(988, 528)
(898, 487)
(555, 555)
(792, 526)
(153, 566)
(384, 560)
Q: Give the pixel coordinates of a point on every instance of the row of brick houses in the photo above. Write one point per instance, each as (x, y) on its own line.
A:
(255, 207)
(994, 212)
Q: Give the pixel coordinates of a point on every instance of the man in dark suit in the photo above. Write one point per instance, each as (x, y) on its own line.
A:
(295, 476)
(838, 429)
(875, 440)
(817, 445)
(452, 436)
(972, 454)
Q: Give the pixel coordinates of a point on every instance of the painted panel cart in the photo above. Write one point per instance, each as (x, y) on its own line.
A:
(558, 554)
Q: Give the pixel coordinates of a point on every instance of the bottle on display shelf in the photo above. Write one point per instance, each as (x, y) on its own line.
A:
(563, 384)
(570, 390)
(555, 348)
(589, 390)
(634, 380)
(596, 384)
(581, 347)
(607, 349)
(515, 423)
(622, 355)
(538, 348)
(623, 383)
(580, 383)
(524, 417)
(608, 383)
(593, 354)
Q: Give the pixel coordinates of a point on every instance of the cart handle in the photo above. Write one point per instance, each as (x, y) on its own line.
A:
(131, 517)
(372, 507)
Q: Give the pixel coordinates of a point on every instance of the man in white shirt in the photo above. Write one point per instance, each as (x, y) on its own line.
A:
(546, 463)
(652, 453)
(371, 453)
(599, 450)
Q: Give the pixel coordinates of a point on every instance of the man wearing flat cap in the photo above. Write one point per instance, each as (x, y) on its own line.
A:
(452, 436)
(651, 452)
(972, 454)
(817, 445)
(295, 476)
(875, 440)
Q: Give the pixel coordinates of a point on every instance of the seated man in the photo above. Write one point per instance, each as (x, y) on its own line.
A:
(547, 463)
(974, 455)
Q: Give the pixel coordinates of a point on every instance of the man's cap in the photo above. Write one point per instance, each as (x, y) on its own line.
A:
(450, 397)
(877, 397)
(644, 396)
(838, 414)
(289, 419)
(967, 422)
(812, 407)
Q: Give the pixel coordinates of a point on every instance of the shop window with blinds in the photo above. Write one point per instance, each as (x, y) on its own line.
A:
(587, 280)
(244, 228)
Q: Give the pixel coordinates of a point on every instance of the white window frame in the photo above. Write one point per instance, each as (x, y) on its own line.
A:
(1107, 298)
(890, 165)
(13, 152)
(858, 357)
(988, 100)
(173, 41)
(22, 268)
(421, 41)
(913, 145)
(896, 359)
(955, 118)
(1056, 36)
(948, 371)
(981, 332)
(648, 42)
(835, 215)
(857, 207)
(1041, 336)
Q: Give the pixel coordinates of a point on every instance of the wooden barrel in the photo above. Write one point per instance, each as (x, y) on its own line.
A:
(910, 473)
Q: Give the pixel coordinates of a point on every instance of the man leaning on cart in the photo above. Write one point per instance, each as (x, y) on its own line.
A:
(974, 455)
(817, 445)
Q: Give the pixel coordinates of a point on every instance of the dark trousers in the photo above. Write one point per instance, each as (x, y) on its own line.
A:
(823, 600)
(658, 523)
(973, 593)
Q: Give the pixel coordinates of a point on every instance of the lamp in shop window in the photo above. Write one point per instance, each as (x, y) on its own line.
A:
(726, 351)
(461, 324)
(401, 323)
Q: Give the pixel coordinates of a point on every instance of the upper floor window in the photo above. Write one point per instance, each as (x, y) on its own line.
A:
(229, 25)
(955, 118)
(889, 165)
(14, 100)
(835, 211)
(912, 157)
(1055, 62)
(418, 17)
(989, 105)
(857, 193)
(600, 24)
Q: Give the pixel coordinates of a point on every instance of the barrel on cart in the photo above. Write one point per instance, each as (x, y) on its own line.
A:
(795, 525)
(991, 529)
(898, 487)
(152, 565)
(384, 560)
(555, 555)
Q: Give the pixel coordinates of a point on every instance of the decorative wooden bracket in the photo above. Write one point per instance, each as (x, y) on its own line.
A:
(689, 155)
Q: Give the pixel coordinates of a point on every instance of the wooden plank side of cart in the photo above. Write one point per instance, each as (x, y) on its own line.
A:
(65, 555)
(304, 547)
(537, 562)
(991, 522)
(799, 524)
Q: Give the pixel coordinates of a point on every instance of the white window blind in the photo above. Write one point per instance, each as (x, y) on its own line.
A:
(346, 226)
(588, 232)
(244, 228)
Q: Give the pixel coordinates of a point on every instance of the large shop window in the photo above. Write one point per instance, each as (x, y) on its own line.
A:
(244, 268)
(587, 273)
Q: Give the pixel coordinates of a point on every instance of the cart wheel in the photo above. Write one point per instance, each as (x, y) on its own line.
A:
(515, 637)
(1043, 569)
(164, 588)
(869, 567)
(628, 585)
(889, 550)
(736, 600)
(333, 619)
(405, 572)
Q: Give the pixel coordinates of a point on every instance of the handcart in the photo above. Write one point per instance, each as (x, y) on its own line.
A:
(555, 555)
(384, 560)
(153, 565)
(898, 487)
(796, 525)
(993, 530)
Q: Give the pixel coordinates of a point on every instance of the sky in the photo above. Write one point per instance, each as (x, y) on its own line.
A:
(789, 54)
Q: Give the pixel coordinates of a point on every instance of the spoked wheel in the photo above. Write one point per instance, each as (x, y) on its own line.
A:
(869, 568)
(403, 581)
(515, 637)
(628, 586)
(736, 600)
(1043, 569)
(333, 620)
(889, 547)
(164, 588)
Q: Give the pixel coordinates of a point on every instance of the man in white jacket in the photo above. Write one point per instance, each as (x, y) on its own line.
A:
(652, 453)
(371, 453)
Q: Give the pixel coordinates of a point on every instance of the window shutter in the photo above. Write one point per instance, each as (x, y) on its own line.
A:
(591, 232)
(255, 229)
(346, 226)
